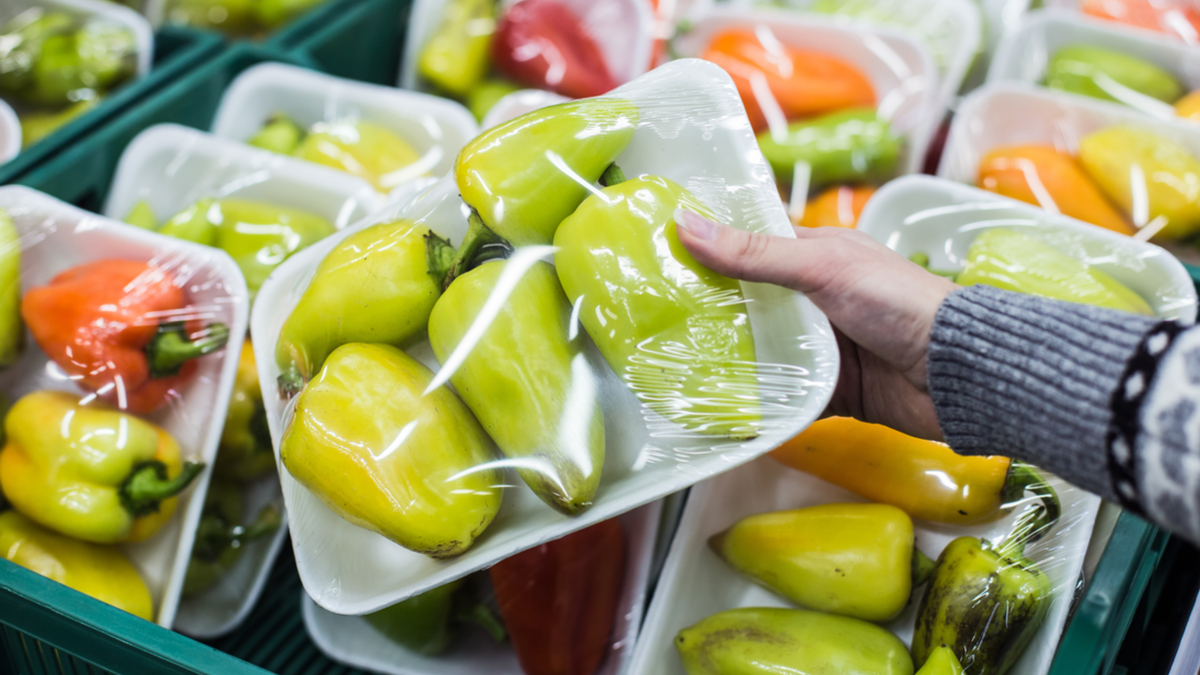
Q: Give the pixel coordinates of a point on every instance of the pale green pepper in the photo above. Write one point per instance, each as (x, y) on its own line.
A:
(456, 58)
(12, 332)
(1110, 75)
(852, 146)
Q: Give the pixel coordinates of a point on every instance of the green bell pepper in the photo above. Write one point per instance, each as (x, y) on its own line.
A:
(526, 175)
(258, 236)
(851, 146)
(769, 641)
(986, 602)
(1110, 75)
(381, 283)
(221, 538)
(23, 37)
(1013, 261)
(280, 134)
(12, 331)
(421, 624)
(456, 59)
(529, 384)
(677, 333)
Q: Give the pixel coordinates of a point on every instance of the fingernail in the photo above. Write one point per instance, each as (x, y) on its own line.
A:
(699, 226)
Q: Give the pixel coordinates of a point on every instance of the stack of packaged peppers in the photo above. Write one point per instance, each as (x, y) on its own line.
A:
(237, 17)
(84, 472)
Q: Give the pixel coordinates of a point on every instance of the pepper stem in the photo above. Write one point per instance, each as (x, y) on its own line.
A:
(215, 535)
(1024, 478)
(922, 567)
(922, 259)
(481, 615)
(147, 485)
(612, 176)
(170, 348)
(289, 382)
(439, 256)
(479, 246)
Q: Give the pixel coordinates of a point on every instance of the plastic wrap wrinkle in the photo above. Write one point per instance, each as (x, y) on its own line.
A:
(686, 110)
(56, 237)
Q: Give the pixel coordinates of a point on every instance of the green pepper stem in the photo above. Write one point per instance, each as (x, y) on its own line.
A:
(266, 522)
(215, 534)
(613, 175)
(922, 259)
(147, 485)
(481, 615)
(170, 348)
(1024, 478)
(922, 567)
(439, 256)
(479, 246)
(289, 382)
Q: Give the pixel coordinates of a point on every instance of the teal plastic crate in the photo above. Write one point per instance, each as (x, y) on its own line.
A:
(176, 51)
(82, 173)
(357, 39)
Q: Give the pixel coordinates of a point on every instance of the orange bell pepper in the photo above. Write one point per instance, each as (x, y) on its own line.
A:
(1188, 107)
(802, 82)
(1045, 177)
(839, 206)
(119, 328)
(1164, 16)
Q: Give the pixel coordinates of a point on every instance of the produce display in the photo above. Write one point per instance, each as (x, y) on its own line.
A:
(253, 18)
(56, 65)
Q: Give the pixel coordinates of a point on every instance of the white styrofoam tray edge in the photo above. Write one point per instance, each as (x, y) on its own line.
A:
(10, 133)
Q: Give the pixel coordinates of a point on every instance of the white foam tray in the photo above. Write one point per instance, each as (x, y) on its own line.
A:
(1024, 55)
(350, 570)
(143, 34)
(55, 237)
(437, 128)
(623, 29)
(171, 167)
(10, 133)
(901, 71)
(353, 641)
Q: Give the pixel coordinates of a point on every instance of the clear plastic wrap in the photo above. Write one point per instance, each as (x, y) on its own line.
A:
(167, 169)
(381, 134)
(683, 122)
(1109, 164)
(183, 299)
(947, 497)
(354, 641)
(580, 44)
(235, 19)
(61, 57)
(10, 133)
(1026, 54)
(1178, 18)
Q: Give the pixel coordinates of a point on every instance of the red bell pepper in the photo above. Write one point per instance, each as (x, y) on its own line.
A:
(541, 43)
(1165, 16)
(559, 600)
(122, 329)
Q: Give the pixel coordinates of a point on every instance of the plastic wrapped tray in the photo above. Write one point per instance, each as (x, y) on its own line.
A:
(692, 130)
(10, 133)
(352, 640)
(56, 236)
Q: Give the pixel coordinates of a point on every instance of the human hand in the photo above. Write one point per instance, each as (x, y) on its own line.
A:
(881, 306)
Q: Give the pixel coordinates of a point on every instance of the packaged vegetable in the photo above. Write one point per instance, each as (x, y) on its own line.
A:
(1188, 107)
(838, 206)
(543, 44)
(941, 662)
(12, 331)
(855, 560)
(221, 536)
(52, 58)
(844, 147)
(760, 641)
(245, 452)
(102, 572)
(1165, 16)
(237, 17)
(89, 471)
(455, 59)
(1110, 75)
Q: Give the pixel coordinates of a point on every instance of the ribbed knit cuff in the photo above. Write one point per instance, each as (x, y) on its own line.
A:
(1030, 378)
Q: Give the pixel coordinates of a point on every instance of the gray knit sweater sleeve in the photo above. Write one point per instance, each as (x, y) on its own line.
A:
(1107, 400)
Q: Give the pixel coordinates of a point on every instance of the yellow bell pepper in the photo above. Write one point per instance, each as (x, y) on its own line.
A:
(925, 479)
(102, 572)
(90, 471)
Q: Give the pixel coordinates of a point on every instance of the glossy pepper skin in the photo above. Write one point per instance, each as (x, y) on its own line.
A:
(543, 44)
(941, 662)
(507, 173)
(385, 455)
(675, 332)
(364, 149)
(102, 572)
(245, 452)
(985, 602)
(12, 332)
(27, 33)
(1188, 107)
(526, 380)
(1007, 259)
(455, 59)
(767, 641)
(221, 537)
(803, 83)
(89, 471)
(108, 325)
(849, 559)
(1110, 75)
(559, 600)
(925, 479)
(1053, 180)
(838, 206)
(843, 147)
(258, 236)
(421, 624)
(381, 283)
(1120, 156)
(51, 58)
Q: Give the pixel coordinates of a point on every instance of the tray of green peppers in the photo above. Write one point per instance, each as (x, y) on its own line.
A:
(546, 430)
(259, 208)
